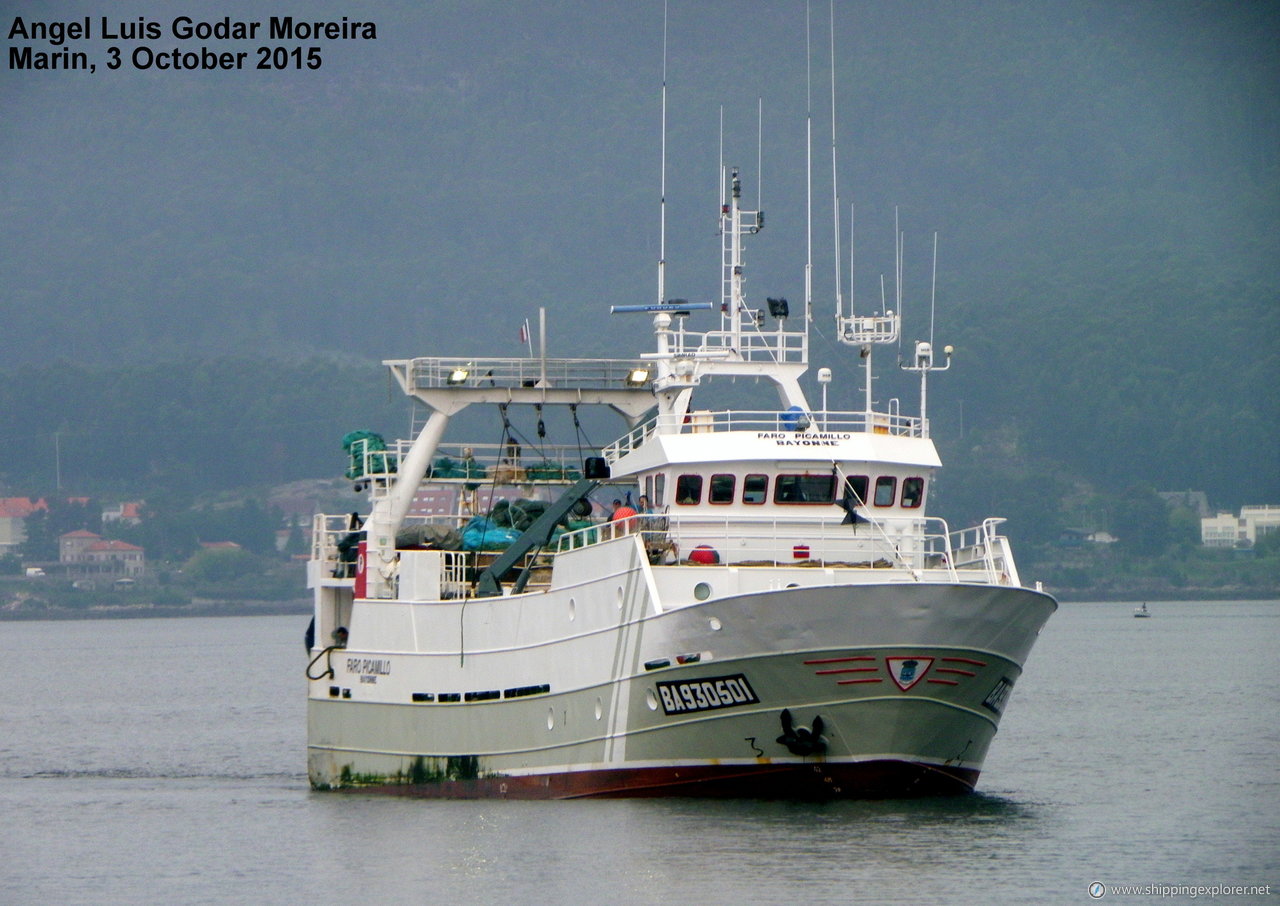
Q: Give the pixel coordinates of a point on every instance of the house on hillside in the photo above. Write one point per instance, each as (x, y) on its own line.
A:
(84, 553)
(73, 546)
(1229, 530)
(13, 516)
(220, 546)
(1195, 501)
(127, 513)
(117, 557)
(434, 502)
(1078, 537)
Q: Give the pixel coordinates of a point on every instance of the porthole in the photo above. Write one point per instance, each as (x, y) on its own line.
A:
(599, 708)
(621, 593)
(715, 624)
(573, 610)
(702, 591)
(551, 718)
(651, 699)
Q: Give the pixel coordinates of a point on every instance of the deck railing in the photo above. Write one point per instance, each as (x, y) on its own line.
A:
(766, 540)
(334, 554)
(586, 374)
(917, 547)
(334, 546)
(783, 347)
(510, 463)
(914, 544)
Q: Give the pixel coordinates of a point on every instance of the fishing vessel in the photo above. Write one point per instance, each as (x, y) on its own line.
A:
(773, 615)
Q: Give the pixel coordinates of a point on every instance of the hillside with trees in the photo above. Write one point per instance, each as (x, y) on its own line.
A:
(199, 273)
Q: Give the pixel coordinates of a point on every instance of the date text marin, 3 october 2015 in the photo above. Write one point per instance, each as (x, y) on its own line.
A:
(62, 35)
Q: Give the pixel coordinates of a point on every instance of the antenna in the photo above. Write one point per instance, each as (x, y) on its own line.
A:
(759, 154)
(835, 192)
(851, 329)
(933, 290)
(662, 203)
(851, 293)
(923, 361)
(808, 171)
(898, 241)
(720, 168)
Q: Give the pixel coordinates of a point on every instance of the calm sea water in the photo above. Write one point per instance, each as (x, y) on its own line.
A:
(162, 761)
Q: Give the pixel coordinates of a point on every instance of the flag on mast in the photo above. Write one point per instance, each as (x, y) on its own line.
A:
(526, 336)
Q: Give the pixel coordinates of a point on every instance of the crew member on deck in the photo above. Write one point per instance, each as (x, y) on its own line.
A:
(624, 514)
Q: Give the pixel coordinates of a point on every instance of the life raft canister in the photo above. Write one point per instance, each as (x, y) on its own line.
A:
(704, 553)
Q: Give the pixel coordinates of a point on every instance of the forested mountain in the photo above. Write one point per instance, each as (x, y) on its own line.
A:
(199, 426)
(199, 271)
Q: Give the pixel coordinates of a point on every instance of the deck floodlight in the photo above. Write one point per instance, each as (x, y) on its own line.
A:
(637, 377)
(458, 375)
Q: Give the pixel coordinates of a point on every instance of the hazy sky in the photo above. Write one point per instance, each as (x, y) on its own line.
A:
(424, 167)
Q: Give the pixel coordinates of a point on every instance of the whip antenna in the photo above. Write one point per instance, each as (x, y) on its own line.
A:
(808, 170)
(759, 154)
(933, 290)
(662, 203)
(835, 192)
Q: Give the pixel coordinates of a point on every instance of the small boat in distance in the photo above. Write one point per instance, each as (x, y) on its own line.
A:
(1142, 611)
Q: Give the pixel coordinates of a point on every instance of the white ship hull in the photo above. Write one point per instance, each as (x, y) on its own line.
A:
(596, 689)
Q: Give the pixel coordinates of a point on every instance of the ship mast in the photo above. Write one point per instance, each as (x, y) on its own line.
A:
(854, 330)
(885, 326)
(923, 361)
(734, 224)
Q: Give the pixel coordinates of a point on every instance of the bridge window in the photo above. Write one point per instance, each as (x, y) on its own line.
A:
(804, 489)
(689, 489)
(886, 486)
(912, 492)
(722, 487)
(755, 489)
(856, 487)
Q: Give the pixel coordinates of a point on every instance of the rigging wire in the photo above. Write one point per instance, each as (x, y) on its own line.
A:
(875, 523)
(580, 434)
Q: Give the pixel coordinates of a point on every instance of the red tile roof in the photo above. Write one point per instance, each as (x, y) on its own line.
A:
(20, 507)
(113, 546)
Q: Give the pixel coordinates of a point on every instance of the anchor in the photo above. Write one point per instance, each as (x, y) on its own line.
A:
(802, 740)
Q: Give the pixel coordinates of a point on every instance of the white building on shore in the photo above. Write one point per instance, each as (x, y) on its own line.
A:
(1228, 530)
